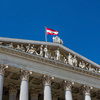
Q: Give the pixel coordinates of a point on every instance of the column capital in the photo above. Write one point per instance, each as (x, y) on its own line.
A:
(3, 68)
(67, 85)
(87, 89)
(47, 79)
(12, 88)
(25, 74)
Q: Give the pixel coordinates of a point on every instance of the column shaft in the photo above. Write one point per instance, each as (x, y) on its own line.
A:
(1, 86)
(68, 95)
(47, 92)
(24, 90)
(87, 97)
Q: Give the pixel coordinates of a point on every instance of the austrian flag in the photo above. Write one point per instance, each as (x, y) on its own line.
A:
(51, 31)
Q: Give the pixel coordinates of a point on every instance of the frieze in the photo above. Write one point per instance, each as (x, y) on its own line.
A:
(43, 52)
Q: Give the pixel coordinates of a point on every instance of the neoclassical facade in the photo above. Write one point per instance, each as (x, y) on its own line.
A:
(35, 70)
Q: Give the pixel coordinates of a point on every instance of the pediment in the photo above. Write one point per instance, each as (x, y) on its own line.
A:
(52, 51)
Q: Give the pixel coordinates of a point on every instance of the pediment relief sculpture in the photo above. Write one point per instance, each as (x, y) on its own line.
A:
(49, 53)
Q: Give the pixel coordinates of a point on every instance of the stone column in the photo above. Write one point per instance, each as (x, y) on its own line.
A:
(67, 88)
(47, 87)
(2, 71)
(24, 84)
(86, 90)
(34, 94)
(12, 92)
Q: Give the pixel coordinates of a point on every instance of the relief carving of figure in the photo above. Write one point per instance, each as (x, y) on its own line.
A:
(82, 64)
(41, 50)
(1, 43)
(28, 47)
(70, 59)
(90, 68)
(32, 50)
(10, 45)
(22, 47)
(57, 54)
(97, 70)
(47, 54)
(18, 47)
(75, 61)
(65, 60)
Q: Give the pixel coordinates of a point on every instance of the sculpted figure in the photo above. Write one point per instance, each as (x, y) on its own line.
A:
(18, 47)
(1, 43)
(22, 47)
(82, 64)
(57, 40)
(28, 47)
(57, 54)
(65, 60)
(90, 68)
(47, 54)
(97, 70)
(75, 61)
(41, 50)
(70, 59)
(31, 50)
(10, 45)
(61, 42)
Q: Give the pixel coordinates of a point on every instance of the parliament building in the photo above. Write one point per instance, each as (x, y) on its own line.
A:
(35, 70)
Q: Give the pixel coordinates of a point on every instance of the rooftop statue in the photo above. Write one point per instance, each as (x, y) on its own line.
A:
(57, 40)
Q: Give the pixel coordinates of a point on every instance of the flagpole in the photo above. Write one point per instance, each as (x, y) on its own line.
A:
(45, 34)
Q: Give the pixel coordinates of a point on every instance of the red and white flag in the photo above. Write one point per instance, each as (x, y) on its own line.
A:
(51, 31)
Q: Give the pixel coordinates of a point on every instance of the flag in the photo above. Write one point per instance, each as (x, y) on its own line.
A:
(51, 31)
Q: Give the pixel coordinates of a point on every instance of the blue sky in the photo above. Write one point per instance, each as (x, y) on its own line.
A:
(78, 22)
